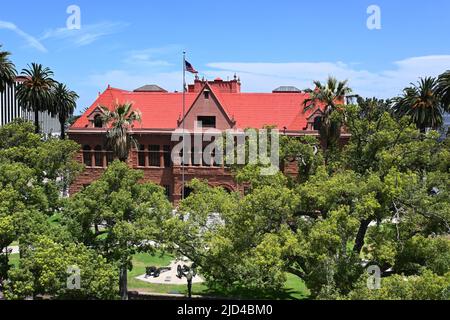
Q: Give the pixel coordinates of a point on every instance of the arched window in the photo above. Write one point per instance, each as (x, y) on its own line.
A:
(317, 123)
(187, 191)
(227, 189)
(98, 156)
(98, 123)
(87, 156)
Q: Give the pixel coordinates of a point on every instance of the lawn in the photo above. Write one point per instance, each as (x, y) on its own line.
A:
(142, 260)
(14, 260)
(294, 286)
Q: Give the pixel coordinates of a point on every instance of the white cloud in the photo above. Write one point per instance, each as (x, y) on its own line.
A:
(31, 41)
(153, 57)
(384, 83)
(86, 35)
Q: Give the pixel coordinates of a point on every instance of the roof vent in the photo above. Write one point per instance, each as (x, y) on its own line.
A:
(150, 88)
(287, 89)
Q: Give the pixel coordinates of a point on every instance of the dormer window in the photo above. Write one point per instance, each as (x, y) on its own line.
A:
(95, 118)
(317, 123)
(98, 122)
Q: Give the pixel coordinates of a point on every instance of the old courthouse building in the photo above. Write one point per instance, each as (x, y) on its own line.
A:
(217, 104)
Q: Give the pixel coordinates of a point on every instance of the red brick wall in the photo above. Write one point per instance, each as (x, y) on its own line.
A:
(172, 176)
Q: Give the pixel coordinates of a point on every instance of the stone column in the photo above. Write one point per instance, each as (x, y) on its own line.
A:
(161, 157)
(146, 156)
(104, 157)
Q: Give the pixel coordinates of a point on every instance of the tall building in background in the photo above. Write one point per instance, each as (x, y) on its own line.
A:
(10, 109)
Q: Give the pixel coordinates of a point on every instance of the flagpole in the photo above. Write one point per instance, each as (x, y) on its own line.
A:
(184, 114)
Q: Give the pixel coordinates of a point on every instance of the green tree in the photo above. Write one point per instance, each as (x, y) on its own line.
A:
(63, 105)
(389, 185)
(422, 102)
(425, 286)
(235, 242)
(46, 269)
(393, 183)
(372, 108)
(328, 97)
(7, 70)
(118, 217)
(34, 93)
(121, 121)
(52, 160)
(33, 172)
(305, 151)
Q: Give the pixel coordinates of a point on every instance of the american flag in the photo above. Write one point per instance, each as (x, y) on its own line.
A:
(190, 68)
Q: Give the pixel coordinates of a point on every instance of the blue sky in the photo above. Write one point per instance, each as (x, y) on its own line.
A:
(268, 43)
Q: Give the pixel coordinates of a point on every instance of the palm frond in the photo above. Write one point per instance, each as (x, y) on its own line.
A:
(120, 122)
(7, 70)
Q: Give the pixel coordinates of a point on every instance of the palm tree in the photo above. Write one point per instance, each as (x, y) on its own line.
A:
(444, 89)
(7, 70)
(121, 120)
(35, 92)
(329, 96)
(422, 103)
(63, 105)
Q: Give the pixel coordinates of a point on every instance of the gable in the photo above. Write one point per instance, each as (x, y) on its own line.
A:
(94, 113)
(207, 105)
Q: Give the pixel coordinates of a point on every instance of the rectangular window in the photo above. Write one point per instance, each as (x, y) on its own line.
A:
(154, 158)
(141, 156)
(87, 156)
(207, 121)
(109, 157)
(98, 157)
(167, 157)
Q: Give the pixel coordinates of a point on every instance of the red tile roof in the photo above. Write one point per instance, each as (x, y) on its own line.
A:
(249, 110)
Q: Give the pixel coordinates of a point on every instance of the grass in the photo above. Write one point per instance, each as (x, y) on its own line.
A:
(14, 260)
(294, 288)
(142, 260)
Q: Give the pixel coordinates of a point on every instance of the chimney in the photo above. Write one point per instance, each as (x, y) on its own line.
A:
(218, 84)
